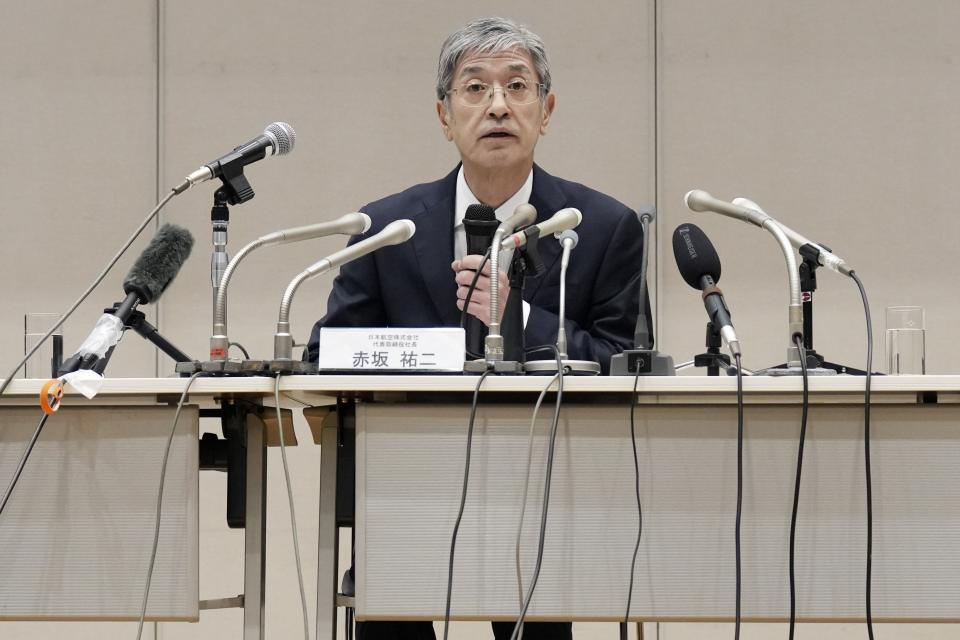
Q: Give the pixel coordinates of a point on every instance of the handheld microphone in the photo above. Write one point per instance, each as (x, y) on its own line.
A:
(479, 224)
(699, 266)
(276, 140)
(396, 232)
(147, 279)
(349, 224)
(560, 221)
(699, 200)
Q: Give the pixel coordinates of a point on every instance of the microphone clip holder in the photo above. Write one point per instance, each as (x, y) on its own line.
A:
(713, 360)
(816, 363)
(236, 189)
(530, 254)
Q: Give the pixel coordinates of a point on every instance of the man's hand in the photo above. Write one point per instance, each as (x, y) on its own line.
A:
(465, 270)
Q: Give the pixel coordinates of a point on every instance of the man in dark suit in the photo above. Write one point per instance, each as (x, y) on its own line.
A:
(494, 102)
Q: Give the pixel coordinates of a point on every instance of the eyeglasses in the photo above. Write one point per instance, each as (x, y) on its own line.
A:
(479, 94)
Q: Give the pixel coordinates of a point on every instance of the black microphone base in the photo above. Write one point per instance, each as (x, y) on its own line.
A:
(501, 367)
(291, 367)
(570, 367)
(247, 367)
(644, 362)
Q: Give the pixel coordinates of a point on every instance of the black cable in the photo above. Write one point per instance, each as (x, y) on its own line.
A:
(466, 301)
(546, 501)
(636, 478)
(798, 340)
(239, 346)
(463, 499)
(736, 536)
(866, 454)
(23, 462)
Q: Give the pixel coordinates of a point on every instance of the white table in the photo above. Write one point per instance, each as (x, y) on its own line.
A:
(918, 410)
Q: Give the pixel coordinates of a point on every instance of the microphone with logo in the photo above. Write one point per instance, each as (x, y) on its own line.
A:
(699, 266)
(146, 281)
(479, 224)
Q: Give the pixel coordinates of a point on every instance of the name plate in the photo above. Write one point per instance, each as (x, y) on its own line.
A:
(392, 350)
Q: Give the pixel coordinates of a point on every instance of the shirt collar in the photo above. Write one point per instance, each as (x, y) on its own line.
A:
(465, 198)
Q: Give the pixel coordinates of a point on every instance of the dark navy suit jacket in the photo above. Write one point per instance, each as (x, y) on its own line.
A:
(412, 284)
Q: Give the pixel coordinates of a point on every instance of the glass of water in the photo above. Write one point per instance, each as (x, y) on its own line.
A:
(45, 362)
(905, 340)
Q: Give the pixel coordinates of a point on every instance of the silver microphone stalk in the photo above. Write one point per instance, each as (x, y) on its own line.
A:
(396, 232)
(523, 215)
(795, 308)
(699, 200)
(568, 240)
(349, 224)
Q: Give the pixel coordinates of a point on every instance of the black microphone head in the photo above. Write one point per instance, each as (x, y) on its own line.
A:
(479, 224)
(480, 212)
(159, 263)
(695, 255)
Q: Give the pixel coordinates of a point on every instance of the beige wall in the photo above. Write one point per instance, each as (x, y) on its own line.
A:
(838, 117)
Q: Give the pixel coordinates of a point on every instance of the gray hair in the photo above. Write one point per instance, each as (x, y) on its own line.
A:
(490, 35)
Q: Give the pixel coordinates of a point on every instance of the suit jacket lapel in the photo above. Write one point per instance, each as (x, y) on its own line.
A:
(433, 244)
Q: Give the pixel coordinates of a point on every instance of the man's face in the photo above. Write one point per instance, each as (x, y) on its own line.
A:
(497, 134)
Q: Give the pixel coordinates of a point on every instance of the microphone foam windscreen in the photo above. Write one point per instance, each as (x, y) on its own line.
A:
(695, 255)
(480, 212)
(159, 263)
(284, 136)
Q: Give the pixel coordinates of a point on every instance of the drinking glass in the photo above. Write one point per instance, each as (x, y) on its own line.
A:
(905, 341)
(45, 362)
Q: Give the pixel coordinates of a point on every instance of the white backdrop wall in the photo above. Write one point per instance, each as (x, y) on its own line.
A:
(837, 117)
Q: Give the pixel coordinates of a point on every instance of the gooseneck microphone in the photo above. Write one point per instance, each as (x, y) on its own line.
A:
(396, 232)
(568, 241)
(523, 215)
(147, 279)
(349, 224)
(795, 310)
(643, 359)
(276, 140)
(699, 266)
(699, 200)
(560, 221)
(479, 224)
